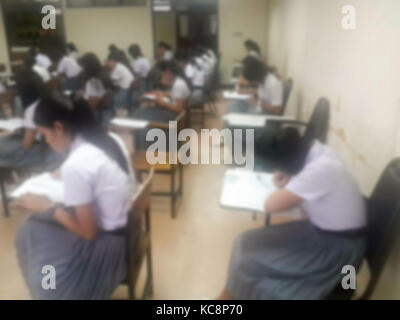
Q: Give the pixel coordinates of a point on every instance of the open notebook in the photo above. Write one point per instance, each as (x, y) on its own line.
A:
(129, 123)
(11, 124)
(246, 190)
(233, 95)
(44, 185)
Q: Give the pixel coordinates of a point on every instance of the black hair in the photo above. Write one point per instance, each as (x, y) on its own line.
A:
(30, 85)
(164, 45)
(254, 70)
(172, 66)
(76, 116)
(252, 45)
(92, 68)
(135, 51)
(285, 150)
(71, 47)
(119, 56)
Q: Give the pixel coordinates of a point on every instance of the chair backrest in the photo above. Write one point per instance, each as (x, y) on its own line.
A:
(383, 222)
(287, 89)
(138, 226)
(317, 128)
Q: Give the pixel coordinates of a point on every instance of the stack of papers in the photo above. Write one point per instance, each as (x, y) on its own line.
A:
(43, 185)
(11, 124)
(246, 190)
(150, 96)
(233, 95)
(129, 123)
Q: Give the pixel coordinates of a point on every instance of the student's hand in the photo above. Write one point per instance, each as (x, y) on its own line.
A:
(281, 179)
(159, 98)
(80, 93)
(56, 175)
(33, 203)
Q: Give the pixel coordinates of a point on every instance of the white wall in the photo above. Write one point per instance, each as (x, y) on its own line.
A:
(4, 58)
(165, 28)
(238, 21)
(94, 29)
(357, 70)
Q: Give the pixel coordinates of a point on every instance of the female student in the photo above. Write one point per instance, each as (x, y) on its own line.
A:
(164, 52)
(168, 105)
(26, 148)
(122, 79)
(82, 238)
(141, 67)
(267, 93)
(70, 70)
(252, 48)
(302, 259)
(72, 51)
(98, 87)
(196, 75)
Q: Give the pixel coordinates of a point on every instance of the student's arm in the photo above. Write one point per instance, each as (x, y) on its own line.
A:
(29, 138)
(81, 222)
(178, 107)
(281, 200)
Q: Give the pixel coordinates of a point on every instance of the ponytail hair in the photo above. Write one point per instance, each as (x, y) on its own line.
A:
(78, 119)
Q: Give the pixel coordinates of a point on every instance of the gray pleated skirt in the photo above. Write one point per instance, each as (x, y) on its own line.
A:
(290, 261)
(84, 269)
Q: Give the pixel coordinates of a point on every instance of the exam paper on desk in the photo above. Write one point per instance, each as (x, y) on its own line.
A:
(43, 185)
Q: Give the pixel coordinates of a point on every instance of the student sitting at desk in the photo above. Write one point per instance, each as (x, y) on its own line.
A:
(141, 66)
(122, 79)
(98, 88)
(252, 48)
(26, 148)
(69, 69)
(83, 238)
(168, 105)
(196, 75)
(303, 259)
(268, 97)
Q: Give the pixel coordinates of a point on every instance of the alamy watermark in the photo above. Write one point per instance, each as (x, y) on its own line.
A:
(49, 280)
(195, 148)
(349, 19)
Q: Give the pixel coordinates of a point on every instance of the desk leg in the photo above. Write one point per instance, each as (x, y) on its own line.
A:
(254, 215)
(4, 199)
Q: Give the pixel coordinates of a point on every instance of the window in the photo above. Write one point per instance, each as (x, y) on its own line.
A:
(104, 3)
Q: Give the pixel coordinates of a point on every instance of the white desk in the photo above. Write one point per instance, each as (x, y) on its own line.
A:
(252, 120)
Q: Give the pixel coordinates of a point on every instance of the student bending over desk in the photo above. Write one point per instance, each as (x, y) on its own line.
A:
(84, 237)
(26, 149)
(268, 98)
(168, 105)
(303, 259)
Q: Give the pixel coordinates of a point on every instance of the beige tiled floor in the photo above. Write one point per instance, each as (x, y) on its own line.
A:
(190, 253)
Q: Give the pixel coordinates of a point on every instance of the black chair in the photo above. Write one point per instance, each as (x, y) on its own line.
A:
(287, 89)
(316, 129)
(383, 209)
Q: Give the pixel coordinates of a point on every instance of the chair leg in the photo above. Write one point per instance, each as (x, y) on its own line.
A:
(173, 194)
(180, 180)
(150, 273)
(4, 199)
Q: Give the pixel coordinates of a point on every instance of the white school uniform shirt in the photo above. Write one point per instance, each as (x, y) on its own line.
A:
(195, 74)
(121, 76)
(94, 89)
(271, 91)
(2, 88)
(141, 66)
(180, 90)
(43, 73)
(29, 116)
(43, 60)
(254, 54)
(90, 176)
(69, 66)
(331, 196)
(168, 55)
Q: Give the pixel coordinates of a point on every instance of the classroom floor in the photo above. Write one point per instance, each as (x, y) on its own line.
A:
(190, 253)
